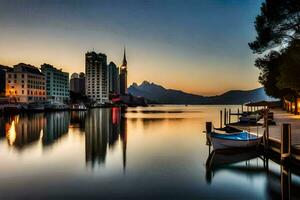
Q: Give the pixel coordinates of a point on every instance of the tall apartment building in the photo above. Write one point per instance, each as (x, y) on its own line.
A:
(57, 83)
(96, 71)
(114, 81)
(77, 83)
(25, 83)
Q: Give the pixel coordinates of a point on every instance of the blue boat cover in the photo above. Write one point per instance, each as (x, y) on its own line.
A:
(241, 136)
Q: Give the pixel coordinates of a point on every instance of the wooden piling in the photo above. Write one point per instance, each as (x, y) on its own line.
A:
(285, 178)
(285, 149)
(221, 115)
(238, 114)
(225, 122)
(229, 116)
(208, 130)
(266, 132)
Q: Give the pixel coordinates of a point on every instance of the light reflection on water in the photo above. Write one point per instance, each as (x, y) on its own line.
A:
(148, 153)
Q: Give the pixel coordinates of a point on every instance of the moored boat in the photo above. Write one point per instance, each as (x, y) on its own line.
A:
(55, 106)
(35, 107)
(241, 139)
(79, 107)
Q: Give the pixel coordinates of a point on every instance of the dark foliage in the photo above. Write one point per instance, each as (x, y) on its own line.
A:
(290, 68)
(277, 24)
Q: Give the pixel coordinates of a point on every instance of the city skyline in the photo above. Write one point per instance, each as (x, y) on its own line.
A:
(187, 55)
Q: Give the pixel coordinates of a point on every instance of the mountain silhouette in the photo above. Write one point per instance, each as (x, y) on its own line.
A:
(161, 95)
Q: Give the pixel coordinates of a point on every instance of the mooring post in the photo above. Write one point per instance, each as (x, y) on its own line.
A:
(229, 116)
(221, 115)
(225, 117)
(285, 149)
(238, 114)
(242, 108)
(285, 176)
(208, 130)
(266, 132)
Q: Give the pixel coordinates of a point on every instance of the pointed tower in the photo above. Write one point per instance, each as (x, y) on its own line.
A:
(124, 59)
(123, 75)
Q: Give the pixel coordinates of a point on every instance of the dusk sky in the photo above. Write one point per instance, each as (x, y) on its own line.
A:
(197, 46)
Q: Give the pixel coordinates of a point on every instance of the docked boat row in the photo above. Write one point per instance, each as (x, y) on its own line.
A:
(41, 106)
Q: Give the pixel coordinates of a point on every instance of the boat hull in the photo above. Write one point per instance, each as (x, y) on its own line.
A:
(219, 143)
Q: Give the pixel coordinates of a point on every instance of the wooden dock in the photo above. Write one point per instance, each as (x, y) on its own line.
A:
(274, 140)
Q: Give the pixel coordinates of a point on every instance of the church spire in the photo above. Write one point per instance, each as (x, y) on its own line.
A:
(124, 59)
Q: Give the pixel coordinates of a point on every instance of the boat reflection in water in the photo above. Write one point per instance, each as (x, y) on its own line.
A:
(278, 184)
(220, 160)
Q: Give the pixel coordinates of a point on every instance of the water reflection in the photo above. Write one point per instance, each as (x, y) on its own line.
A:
(166, 151)
(23, 130)
(57, 125)
(103, 128)
(250, 164)
(78, 119)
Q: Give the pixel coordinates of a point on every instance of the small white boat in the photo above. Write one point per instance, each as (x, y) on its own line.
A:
(55, 106)
(78, 107)
(250, 118)
(241, 139)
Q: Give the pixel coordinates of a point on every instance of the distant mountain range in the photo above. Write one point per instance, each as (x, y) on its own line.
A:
(159, 94)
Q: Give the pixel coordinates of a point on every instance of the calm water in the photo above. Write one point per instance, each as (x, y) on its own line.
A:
(145, 153)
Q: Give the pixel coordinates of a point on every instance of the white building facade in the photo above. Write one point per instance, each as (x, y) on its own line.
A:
(57, 83)
(25, 84)
(96, 82)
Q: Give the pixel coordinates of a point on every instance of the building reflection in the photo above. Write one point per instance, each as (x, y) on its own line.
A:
(57, 125)
(103, 128)
(22, 130)
(77, 119)
(3, 127)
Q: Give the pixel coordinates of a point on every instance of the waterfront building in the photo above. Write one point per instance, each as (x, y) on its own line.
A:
(113, 78)
(77, 83)
(25, 84)
(57, 83)
(123, 75)
(96, 71)
(3, 70)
